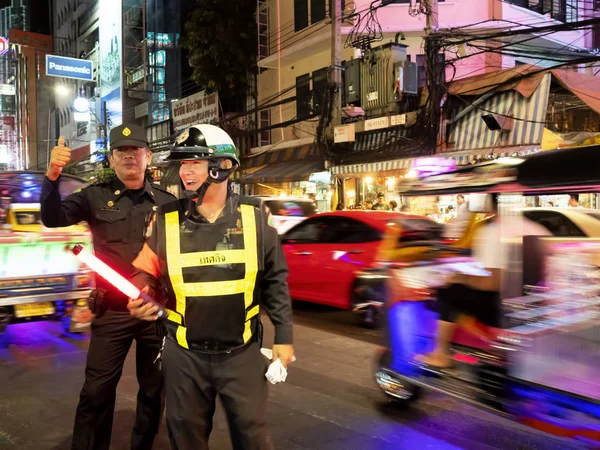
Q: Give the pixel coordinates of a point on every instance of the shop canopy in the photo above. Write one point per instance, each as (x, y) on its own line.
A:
(281, 155)
(284, 172)
(525, 79)
(559, 171)
(25, 186)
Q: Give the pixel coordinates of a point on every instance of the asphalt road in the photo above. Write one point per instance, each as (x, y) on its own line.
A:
(329, 401)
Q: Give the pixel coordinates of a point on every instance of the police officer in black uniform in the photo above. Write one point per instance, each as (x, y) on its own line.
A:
(221, 261)
(117, 212)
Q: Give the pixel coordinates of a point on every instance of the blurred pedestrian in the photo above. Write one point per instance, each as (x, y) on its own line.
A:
(574, 201)
(405, 209)
(381, 205)
(394, 205)
(368, 205)
(339, 207)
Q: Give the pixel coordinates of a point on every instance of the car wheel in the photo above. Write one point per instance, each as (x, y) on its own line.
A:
(367, 302)
(399, 391)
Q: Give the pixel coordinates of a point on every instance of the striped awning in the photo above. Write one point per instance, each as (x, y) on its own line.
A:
(460, 158)
(381, 166)
(471, 133)
(284, 172)
(280, 156)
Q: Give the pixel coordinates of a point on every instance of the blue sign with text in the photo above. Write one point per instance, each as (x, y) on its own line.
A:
(78, 69)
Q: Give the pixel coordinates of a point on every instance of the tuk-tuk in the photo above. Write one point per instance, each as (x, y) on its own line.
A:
(541, 366)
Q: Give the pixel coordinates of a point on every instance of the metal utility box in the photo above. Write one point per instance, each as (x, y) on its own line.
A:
(378, 78)
(411, 78)
(352, 72)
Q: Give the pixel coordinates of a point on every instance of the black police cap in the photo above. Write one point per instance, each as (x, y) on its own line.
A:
(128, 136)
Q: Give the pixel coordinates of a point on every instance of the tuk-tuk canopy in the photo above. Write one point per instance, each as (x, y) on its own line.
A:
(558, 171)
(26, 186)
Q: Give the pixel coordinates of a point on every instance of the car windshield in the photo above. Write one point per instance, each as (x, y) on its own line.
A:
(419, 229)
(291, 208)
(28, 217)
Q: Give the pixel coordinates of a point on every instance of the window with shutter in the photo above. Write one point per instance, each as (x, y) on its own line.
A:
(300, 14)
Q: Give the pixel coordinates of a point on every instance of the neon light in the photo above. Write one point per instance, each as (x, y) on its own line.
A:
(433, 166)
(114, 278)
(108, 273)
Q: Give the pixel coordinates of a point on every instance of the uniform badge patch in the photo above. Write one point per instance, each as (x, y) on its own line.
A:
(126, 131)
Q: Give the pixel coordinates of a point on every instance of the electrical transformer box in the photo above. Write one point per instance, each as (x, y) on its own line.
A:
(379, 78)
(352, 70)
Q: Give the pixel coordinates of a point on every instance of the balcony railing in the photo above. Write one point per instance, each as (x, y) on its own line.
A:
(562, 10)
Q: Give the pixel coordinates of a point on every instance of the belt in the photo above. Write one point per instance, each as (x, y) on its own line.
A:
(211, 347)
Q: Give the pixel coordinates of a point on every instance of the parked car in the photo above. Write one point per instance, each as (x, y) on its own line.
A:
(326, 252)
(289, 211)
(566, 222)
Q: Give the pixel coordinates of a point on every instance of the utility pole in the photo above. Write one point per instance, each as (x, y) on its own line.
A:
(432, 24)
(431, 15)
(105, 126)
(336, 60)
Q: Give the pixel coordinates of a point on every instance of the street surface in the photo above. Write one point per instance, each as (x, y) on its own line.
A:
(329, 401)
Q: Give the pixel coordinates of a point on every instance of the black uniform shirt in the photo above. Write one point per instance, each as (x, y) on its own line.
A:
(273, 291)
(117, 218)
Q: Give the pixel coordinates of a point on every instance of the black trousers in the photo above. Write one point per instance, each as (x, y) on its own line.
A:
(193, 381)
(459, 299)
(112, 336)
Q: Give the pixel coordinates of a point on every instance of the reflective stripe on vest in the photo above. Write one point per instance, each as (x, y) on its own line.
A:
(176, 261)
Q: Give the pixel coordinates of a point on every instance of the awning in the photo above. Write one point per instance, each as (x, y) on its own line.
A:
(284, 172)
(461, 159)
(472, 157)
(381, 166)
(298, 153)
(470, 132)
(527, 79)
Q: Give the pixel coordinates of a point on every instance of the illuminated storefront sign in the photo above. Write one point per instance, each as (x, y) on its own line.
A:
(111, 69)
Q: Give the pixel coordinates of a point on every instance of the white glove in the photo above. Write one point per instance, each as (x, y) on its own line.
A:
(276, 373)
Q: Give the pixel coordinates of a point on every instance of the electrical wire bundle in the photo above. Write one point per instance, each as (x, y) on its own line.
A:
(367, 28)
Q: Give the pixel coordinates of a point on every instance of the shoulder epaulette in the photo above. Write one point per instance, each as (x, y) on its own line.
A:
(254, 201)
(161, 189)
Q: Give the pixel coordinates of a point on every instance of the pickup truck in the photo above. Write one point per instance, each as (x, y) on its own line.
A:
(39, 277)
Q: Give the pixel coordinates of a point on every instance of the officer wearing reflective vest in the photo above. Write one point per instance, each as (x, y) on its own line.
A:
(217, 260)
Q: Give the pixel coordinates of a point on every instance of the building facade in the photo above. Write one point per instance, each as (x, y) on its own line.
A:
(76, 35)
(384, 77)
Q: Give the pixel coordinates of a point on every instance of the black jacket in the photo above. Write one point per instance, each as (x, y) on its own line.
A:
(215, 323)
(117, 218)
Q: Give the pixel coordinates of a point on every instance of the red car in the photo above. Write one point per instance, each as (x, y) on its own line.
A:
(326, 251)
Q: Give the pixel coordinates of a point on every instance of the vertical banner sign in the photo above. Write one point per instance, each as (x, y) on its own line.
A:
(111, 69)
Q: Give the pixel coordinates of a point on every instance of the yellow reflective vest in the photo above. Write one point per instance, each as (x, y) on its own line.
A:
(217, 274)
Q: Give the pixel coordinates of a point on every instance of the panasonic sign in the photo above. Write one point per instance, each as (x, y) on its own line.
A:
(78, 69)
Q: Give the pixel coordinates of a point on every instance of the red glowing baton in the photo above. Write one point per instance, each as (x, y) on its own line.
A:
(115, 279)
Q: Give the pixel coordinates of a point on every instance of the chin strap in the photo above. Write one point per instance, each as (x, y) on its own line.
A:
(216, 175)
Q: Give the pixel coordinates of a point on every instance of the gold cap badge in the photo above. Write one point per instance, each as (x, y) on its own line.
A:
(126, 131)
(183, 137)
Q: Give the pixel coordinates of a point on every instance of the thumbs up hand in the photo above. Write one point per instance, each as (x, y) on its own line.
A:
(59, 158)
